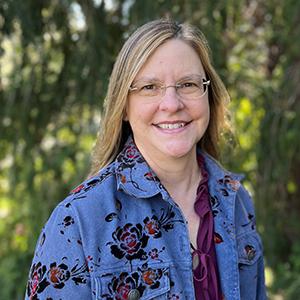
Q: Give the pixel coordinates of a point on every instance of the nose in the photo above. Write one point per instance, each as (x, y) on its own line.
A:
(171, 101)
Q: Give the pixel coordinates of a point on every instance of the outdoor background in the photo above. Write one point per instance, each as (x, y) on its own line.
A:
(55, 59)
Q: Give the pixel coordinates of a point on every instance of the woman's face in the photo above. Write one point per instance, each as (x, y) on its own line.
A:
(168, 126)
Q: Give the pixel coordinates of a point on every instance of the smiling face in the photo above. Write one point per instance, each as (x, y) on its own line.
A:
(168, 126)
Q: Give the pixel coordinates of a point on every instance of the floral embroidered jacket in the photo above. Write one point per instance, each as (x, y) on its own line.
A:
(119, 235)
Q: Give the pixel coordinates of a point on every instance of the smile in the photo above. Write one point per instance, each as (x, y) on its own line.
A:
(171, 125)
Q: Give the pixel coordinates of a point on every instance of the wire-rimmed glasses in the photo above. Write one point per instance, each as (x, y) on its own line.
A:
(191, 87)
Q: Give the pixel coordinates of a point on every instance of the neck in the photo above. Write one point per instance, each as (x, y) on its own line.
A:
(180, 176)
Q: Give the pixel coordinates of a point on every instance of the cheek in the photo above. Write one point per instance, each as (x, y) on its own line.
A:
(202, 117)
(140, 114)
(134, 117)
(201, 111)
(208, 114)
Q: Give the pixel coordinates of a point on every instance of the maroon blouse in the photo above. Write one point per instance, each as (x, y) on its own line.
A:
(205, 269)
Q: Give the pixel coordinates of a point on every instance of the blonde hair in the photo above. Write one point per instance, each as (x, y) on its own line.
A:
(137, 49)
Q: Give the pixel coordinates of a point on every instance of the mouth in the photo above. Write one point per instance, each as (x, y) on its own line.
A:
(171, 126)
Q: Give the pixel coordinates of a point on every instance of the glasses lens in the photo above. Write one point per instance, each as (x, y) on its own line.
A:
(147, 88)
(191, 88)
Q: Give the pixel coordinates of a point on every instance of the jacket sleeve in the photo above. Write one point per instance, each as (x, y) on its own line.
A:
(59, 269)
(250, 249)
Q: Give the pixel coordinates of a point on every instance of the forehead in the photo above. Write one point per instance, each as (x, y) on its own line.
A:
(172, 60)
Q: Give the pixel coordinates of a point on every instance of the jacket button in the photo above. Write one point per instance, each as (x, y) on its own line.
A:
(134, 295)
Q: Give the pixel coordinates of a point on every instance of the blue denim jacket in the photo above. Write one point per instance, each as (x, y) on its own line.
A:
(119, 235)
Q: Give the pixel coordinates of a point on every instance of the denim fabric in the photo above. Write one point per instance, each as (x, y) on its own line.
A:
(119, 235)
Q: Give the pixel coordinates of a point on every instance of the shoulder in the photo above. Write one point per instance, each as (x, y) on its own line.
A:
(80, 210)
(84, 203)
(103, 183)
(85, 196)
(217, 170)
(228, 186)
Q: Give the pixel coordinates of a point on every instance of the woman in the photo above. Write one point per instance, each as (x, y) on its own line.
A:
(161, 219)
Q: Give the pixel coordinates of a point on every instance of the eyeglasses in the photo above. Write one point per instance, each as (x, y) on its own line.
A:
(192, 87)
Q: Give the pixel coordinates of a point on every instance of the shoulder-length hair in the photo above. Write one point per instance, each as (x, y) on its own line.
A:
(137, 49)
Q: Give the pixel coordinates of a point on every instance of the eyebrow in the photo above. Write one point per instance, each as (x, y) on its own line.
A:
(155, 79)
(191, 76)
(151, 79)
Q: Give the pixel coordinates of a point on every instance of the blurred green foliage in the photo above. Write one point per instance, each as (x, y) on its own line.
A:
(55, 61)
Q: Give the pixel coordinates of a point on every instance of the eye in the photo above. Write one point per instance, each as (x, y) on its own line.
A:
(187, 84)
(149, 87)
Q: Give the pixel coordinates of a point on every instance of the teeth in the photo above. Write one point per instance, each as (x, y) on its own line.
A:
(171, 126)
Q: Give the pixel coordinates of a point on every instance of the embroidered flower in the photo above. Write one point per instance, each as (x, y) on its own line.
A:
(166, 221)
(58, 275)
(143, 278)
(151, 277)
(230, 183)
(129, 241)
(123, 284)
(131, 153)
(122, 291)
(153, 253)
(37, 281)
(152, 226)
(129, 157)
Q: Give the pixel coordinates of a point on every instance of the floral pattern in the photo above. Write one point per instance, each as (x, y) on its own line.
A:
(65, 225)
(152, 226)
(174, 297)
(130, 240)
(230, 183)
(218, 238)
(154, 253)
(150, 176)
(151, 277)
(37, 282)
(89, 184)
(140, 280)
(129, 157)
(133, 241)
(214, 201)
(68, 220)
(92, 262)
(55, 275)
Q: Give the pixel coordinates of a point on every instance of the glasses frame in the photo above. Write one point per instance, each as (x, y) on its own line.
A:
(163, 88)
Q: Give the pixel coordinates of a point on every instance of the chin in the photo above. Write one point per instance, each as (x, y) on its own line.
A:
(180, 151)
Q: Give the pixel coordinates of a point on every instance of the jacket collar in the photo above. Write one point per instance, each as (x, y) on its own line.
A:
(135, 177)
